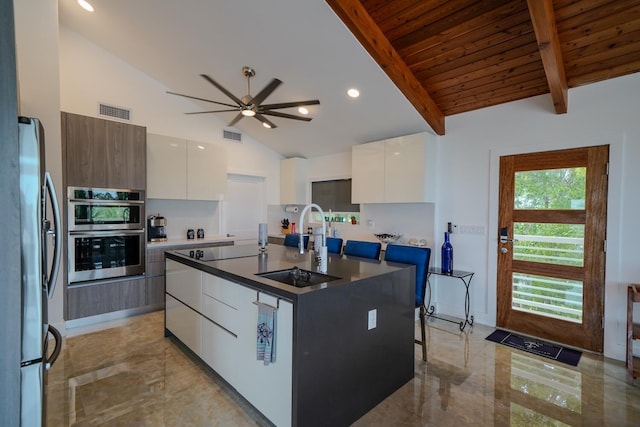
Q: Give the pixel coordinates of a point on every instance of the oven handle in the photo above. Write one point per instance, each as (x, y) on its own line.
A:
(107, 202)
(105, 233)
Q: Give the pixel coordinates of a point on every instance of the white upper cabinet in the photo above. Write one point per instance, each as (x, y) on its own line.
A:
(166, 167)
(294, 183)
(395, 170)
(206, 171)
(185, 170)
(367, 173)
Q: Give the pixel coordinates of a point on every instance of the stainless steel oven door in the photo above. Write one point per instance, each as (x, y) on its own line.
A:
(113, 215)
(105, 209)
(105, 254)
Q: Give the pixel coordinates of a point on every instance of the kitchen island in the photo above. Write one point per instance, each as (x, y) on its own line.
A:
(342, 346)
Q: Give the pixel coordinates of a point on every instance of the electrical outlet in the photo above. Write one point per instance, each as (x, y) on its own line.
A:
(372, 319)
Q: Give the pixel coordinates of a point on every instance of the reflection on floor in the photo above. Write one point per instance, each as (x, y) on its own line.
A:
(132, 376)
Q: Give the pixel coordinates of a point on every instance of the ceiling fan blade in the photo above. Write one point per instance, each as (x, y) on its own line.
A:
(223, 90)
(289, 104)
(213, 111)
(285, 115)
(268, 89)
(263, 119)
(236, 119)
(201, 99)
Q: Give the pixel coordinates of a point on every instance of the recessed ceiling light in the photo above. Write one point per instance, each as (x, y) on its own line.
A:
(303, 110)
(354, 93)
(85, 5)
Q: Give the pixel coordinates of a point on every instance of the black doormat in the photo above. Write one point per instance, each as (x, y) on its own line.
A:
(536, 346)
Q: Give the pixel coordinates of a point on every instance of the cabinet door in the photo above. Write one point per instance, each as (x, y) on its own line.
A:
(294, 186)
(103, 153)
(268, 388)
(166, 167)
(184, 323)
(184, 283)
(105, 297)
(368, 173)
(155, 290)
(206, 171)
(405, 158)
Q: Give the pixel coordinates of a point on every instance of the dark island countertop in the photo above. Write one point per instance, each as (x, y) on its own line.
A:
(241, 264)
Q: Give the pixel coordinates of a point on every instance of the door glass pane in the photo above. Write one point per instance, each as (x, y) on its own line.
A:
(551, 383)
(551, 189)
(549, 243)
(547, 296)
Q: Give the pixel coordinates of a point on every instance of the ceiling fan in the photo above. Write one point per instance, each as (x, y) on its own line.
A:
(252, 106)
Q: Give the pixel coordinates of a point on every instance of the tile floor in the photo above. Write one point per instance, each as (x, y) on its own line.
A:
(132, 376)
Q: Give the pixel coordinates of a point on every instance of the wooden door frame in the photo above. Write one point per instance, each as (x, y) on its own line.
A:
(595, 159)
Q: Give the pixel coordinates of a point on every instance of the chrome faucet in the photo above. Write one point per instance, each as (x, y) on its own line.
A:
(323, 248)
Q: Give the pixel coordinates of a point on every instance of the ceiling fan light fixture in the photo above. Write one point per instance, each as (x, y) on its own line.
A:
(248, 112)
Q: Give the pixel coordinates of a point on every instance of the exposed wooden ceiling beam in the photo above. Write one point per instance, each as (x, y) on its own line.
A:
(364, 28)
(544, 25)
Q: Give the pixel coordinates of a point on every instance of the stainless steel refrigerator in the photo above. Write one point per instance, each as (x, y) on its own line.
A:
(39, 273)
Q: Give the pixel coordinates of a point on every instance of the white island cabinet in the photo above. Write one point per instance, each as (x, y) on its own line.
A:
(224, 317)
(185, 170)
(395, 170)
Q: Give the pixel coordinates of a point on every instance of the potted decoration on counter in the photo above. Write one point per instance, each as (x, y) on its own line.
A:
(285, 226)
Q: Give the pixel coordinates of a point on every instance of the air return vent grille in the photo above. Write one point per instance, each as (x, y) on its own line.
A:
(233, 136)
(106, 110)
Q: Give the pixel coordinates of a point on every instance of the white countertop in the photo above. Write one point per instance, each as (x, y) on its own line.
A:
(189, 242)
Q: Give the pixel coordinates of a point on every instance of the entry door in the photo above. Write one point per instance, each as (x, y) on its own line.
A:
(551, 245)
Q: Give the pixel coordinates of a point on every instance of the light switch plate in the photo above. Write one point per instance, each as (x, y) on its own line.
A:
(372, 319)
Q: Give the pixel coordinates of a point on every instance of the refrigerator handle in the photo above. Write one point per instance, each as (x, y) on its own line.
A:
(57, 236)
(49, 361)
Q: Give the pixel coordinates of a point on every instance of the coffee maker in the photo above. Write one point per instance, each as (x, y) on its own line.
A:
(155, 228)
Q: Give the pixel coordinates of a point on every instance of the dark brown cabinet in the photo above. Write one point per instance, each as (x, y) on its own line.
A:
(99, 298)
(103, 153)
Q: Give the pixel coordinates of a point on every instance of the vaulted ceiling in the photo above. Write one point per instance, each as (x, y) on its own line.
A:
(415, 61)
(454, 56)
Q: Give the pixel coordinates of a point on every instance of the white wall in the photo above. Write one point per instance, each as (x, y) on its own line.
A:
(602, 113)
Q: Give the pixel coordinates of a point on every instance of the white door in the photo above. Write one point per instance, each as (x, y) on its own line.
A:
(245, 207)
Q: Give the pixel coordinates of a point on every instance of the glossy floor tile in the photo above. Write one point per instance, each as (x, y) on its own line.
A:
(132, 375)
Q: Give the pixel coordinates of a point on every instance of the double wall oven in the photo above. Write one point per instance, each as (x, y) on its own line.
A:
(105, 232)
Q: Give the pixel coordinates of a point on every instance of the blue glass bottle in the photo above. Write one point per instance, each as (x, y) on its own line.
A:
(447, 255)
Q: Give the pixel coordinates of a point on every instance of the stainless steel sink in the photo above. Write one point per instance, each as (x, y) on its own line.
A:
(298, 277)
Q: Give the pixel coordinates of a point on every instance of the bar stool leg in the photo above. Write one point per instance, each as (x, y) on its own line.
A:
(423, 315)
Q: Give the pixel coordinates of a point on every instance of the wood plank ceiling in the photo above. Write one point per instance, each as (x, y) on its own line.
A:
(454, 56)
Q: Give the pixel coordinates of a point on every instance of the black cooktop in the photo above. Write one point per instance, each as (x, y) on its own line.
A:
(221, 252)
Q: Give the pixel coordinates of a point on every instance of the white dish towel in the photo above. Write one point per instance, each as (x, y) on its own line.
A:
(266, 333)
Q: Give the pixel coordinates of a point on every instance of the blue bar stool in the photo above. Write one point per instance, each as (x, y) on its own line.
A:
(293, 240)
(334, 245)
(362, 249)
(418, 256)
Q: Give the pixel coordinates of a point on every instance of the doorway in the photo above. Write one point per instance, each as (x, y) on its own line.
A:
(551, 245)
(245, 206)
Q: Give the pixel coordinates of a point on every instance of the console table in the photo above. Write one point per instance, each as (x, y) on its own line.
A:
(465, 277)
